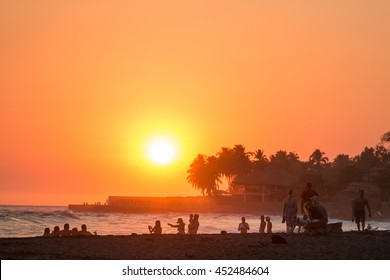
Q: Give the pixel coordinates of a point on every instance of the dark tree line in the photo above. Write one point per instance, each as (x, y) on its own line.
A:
(371, 165)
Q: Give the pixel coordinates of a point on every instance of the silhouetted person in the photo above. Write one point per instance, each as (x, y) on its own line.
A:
(156, 229)
(194, 225)
(290, 210)
(56, 231)
(317, 215)
(84, 231)
(243, 227)
(190, 221)
(46, 232)
(75, 231)
(180, 226)
(262, 224)
(269, 224)
(358, 210)
(65, 231)
(306, 195)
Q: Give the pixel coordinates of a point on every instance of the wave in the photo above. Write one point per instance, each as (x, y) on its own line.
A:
(6, 214)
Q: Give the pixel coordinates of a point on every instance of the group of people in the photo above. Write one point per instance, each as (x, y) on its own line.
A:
(265, 222)
(66, 231)
(314, 214)
(314, 217)
(193, 226)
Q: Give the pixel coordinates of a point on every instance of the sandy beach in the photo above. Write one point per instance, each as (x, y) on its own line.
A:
(374, 245)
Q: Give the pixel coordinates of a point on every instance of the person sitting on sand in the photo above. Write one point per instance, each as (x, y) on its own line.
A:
(84, 231)
(358, 210)
(317, 215)
(194, 225)
(180, 226)
(46, 232)
(262, 224)
(65, 231)
(75, 231)
(243, 227)
(269, 224)
(156, 229)
(56, 231)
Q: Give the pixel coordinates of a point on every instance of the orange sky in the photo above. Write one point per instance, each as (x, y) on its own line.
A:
(85, 84)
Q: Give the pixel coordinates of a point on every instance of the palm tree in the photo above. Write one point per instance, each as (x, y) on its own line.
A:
(385, 138)
(233, 162)
(242, 163)
(260, 160)
(317, 160)
(279, 160)
(226, 163)
(203, 174)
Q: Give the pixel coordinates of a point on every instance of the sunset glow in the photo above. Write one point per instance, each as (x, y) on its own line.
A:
(102, 98)
(161, 151)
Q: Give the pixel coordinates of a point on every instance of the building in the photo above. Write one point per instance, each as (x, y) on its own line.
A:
(270, 185)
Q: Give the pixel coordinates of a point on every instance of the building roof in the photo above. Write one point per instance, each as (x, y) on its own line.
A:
(275, 177)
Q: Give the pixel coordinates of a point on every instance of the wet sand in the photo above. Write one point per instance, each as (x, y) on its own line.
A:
(374, 245)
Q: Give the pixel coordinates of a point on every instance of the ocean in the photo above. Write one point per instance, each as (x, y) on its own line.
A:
(30, 221)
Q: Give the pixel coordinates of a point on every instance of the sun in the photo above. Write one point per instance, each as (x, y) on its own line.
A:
(161, 151)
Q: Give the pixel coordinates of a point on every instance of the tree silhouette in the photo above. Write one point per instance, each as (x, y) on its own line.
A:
(260, 160)
(371, 164)
(385, 138)
(203, 174)
(317, 160)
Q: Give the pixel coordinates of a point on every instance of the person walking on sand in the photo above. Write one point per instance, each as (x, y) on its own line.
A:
(262, 224)
(290, 210)
(243, 227)
(358, 210)
(180, 226)
(306, 195)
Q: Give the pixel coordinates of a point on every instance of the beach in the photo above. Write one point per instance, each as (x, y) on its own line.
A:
(370, 245)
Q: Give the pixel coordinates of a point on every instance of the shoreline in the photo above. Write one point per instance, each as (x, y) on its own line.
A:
(352, 245)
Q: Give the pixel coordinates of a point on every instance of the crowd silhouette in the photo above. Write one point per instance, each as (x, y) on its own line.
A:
(314, 218)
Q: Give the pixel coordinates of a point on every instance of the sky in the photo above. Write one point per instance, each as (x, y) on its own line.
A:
(85, 86)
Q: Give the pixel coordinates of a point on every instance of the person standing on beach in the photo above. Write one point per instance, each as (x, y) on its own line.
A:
(306, 195)
(243, 227)
(269, 224)
(262, 224)
(190, 222)
(194, 225)
(358, 210)
(290, 210)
